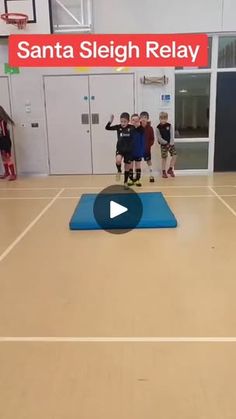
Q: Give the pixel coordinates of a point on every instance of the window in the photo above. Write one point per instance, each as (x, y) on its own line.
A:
(71, 16)
(209, 57)
(227, 52)
(192, 156)
(192, 99)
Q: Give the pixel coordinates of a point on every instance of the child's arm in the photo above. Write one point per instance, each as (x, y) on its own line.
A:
(160, 139)
(152, 137)
(108, 125)
(172, 138)
(3, 128)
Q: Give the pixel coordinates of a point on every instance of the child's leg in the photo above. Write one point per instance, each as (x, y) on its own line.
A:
(173, 161)
(11, 167)
(5, 164)
(126, 174)
(149, 163)
(164, 155)
(138, 173)
(118, 166)
(131, 174)
(164, 174)
(163, 164)
(118, 163)
(173, 154)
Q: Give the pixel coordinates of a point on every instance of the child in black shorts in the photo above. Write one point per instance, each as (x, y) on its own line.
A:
(124, 144)
(138, 150)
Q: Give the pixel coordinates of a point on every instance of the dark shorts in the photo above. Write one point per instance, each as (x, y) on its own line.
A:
(126, 156)
(147, 157)
(136, 159)
(165, 149)
(5, 145)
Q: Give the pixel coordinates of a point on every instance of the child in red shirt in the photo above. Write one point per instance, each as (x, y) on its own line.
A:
(149, 141)
(5, 146)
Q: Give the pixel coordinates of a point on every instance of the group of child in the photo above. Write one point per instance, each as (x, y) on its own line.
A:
(135, 137)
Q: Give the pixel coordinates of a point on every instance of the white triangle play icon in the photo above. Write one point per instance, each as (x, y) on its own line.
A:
(116, 209)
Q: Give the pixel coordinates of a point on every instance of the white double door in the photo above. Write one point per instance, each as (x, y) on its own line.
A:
(77, 110)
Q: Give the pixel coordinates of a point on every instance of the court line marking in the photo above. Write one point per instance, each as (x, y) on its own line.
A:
(29, 189)
(29, 227)
(166, 196)
(196, 196)
(222, 201)
(154, 186)
(120, 184)
(227, 195)
(26, 198)
(104, 186)
(9, 339)
(5, 198)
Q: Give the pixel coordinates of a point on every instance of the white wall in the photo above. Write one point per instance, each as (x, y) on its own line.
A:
(30, 143)
(229, 14)
(149, 16)
(27, 88)
(158, 16)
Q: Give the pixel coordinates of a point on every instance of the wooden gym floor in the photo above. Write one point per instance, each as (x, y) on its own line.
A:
(102, 326)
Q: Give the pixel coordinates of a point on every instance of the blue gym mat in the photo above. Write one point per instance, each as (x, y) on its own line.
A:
(156, 213)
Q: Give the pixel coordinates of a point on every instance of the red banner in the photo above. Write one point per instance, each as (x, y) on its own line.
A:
(108, 50)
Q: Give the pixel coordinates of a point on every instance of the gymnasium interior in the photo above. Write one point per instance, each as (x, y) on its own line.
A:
(131, 324)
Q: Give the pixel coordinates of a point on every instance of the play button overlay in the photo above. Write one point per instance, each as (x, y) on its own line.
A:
(117, 210)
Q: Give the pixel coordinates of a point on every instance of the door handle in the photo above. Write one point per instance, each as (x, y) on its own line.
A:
(84, 118)
(95, 118)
